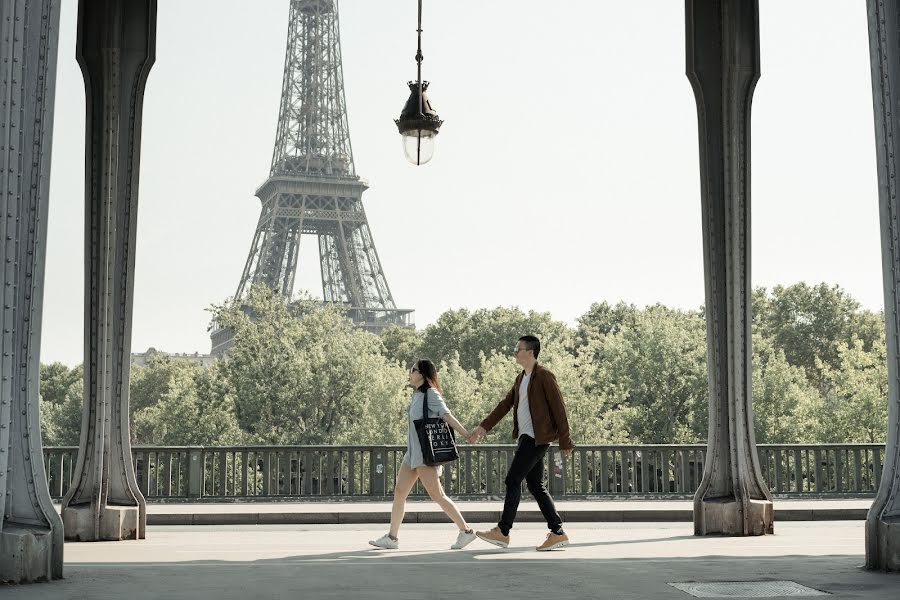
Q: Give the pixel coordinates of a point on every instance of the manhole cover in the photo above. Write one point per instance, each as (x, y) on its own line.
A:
(747, 589)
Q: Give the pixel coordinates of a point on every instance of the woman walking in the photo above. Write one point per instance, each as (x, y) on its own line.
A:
(423, 378)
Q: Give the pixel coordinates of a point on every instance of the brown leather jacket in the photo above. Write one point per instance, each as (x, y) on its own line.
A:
(548, 411)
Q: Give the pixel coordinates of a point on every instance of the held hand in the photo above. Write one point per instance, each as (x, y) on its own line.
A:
(476, 434)
(567, 452)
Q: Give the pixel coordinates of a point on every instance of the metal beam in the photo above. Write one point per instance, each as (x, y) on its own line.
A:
(116, 49)
(723, 68)
(31, 532)
(883, 523)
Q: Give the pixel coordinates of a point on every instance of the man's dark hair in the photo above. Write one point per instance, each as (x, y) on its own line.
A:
(531, 343)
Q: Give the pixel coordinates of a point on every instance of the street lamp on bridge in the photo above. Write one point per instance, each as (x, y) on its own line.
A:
(419, 122)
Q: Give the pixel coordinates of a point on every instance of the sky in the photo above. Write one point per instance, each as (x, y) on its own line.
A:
(566, 171)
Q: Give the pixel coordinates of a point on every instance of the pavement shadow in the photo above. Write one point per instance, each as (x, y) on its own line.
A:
(530, 549)
(372, 553)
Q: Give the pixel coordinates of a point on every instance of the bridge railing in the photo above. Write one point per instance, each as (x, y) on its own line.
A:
(359, 472)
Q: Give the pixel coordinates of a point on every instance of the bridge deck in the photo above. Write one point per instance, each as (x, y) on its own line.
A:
(609, 560)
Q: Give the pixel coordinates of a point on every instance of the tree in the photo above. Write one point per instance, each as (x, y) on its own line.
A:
(810, 323)
(181, 403)
(151, 383)
(56, 379)
(498, 375)
(650, 379)
(462, 392)
(782, 397)
(583, 409)
(856, 408)
(61, 404)
(402, 345)
(301, 373)
(602, 319)
(489, 331)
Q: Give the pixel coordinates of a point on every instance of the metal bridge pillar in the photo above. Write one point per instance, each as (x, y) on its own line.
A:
(883, 523)
(31, 533)
(116, 49)
(723, 68)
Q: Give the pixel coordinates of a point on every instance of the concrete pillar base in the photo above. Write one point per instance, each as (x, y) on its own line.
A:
(116, 523)
(25, 554)
(886, 546)
(723, 516)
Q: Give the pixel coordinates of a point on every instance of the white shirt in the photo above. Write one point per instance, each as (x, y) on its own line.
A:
(523, 413)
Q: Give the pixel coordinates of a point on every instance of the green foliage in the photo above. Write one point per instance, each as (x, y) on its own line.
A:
(61, 423)
(57, 379)
(300, 373)
(402, 345)
(469, 334)
(856, 408)
(179, 403)
(811, 323)
(462, 392)
(783, 398)
(650, 378)
(152, 383)
(602, 319)
(61, 393)
(498, 374)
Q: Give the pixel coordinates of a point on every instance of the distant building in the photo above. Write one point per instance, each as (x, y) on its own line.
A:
(142, 359)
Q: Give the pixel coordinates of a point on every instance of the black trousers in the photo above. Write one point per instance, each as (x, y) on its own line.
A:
(528, 465)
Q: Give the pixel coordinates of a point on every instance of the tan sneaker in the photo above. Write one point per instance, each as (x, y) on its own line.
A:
(553, 542)
(494, 536)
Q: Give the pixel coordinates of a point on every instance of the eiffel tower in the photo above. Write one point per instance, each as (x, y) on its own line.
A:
(313, 188)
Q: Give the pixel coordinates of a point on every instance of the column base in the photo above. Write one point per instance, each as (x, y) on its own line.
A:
(885, 545)
(723, 516)
(26, 554)
(116, 523)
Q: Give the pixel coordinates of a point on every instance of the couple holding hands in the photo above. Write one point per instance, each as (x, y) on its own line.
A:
(539, 417)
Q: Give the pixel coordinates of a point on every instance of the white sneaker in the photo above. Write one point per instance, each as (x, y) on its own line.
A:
(385, 542)
(463, 540)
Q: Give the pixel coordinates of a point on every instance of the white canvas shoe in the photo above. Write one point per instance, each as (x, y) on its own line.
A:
(385, 542)
(463, 539)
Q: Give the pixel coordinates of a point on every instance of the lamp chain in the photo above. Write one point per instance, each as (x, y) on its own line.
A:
(419, 59)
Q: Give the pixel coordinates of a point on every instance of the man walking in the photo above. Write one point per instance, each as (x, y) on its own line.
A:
(539, 417)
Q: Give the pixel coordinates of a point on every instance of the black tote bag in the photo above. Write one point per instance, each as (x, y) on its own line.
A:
(436, 437)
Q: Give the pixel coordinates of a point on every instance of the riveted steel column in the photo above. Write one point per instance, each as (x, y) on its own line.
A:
(883, 523)
(723, 68)
(31, 532)
(116, 48)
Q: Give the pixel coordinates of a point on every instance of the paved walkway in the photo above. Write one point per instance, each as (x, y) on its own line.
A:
(419, 511)
(615, 561)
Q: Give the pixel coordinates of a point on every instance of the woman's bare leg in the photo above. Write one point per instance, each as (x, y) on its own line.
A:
(406, 479)
(433, 486)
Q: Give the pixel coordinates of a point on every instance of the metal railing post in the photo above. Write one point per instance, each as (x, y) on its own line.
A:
(378, 470)
(195, 473)
(557, 473)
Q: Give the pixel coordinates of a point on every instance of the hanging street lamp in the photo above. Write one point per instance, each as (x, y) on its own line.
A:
(418, 122)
